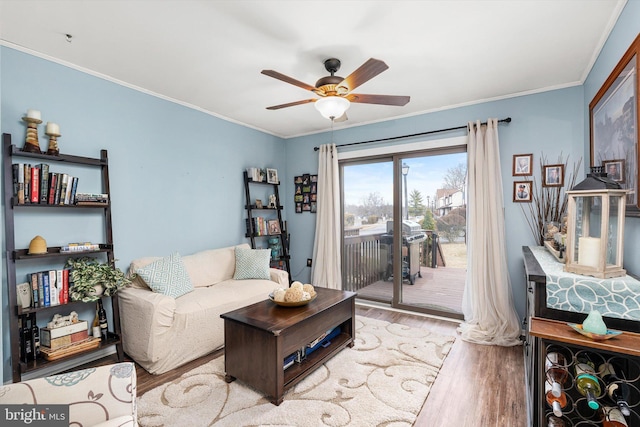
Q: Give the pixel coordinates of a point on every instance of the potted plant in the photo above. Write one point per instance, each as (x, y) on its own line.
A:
(89, 279)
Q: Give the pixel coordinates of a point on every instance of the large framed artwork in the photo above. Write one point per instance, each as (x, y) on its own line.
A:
(614, 117)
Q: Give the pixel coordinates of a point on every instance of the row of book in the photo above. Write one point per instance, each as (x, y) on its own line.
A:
(49, 288)
(36, 184)
(263, 226)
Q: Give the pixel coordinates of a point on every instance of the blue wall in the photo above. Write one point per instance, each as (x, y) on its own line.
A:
(175, 172)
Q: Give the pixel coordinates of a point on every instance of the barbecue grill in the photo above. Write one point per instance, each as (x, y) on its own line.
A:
(412, 237)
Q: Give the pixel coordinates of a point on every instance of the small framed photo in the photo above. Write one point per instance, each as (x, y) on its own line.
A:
(522, 191)
(615, 170)
(553, 175)
(298, 207)
(522, 164)
(258, 204)
(272, 176)
(274, 226)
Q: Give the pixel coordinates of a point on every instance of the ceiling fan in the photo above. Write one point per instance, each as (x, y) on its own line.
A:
(335, 93)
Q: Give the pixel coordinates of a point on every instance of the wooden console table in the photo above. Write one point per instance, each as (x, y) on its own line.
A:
(547, 327)
(257, 338)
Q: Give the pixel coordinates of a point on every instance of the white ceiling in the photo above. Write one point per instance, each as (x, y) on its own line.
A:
(209, 54)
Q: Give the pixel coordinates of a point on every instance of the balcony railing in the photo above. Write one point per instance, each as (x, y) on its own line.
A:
(366, 260)
(362, 261)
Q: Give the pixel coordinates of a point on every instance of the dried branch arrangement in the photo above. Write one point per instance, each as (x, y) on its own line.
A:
(548, 204)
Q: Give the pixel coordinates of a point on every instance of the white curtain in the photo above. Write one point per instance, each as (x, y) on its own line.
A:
(490, 317)
(326, 270)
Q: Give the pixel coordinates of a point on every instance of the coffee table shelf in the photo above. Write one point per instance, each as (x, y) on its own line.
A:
(259, 337)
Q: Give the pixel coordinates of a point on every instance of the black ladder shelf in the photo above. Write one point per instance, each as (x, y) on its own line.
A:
(253, 234)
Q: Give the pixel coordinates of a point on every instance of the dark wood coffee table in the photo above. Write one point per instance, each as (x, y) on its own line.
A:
(257, 338)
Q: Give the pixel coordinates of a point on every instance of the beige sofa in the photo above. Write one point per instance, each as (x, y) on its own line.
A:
(161, 333)
(103, 396)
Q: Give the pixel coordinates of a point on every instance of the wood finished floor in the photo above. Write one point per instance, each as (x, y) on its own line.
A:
(478, 386)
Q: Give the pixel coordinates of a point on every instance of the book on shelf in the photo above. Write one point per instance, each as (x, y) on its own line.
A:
(39, 185)
(80, 247)
(91, 198)
(27, 183)
(53, 180)
(34, 191)
(53, 288)
(43, 169)
(46, 288)
(35, 295)
(49, 288)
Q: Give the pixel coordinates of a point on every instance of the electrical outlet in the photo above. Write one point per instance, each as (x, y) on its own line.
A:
(308, 262)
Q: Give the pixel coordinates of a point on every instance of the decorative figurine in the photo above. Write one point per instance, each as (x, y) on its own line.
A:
(31, 142)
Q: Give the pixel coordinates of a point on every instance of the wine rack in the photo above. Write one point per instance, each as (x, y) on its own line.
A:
(577, 413)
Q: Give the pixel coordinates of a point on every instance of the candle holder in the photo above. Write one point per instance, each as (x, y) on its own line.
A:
(31, 142)
(595, 230)
(52, 150)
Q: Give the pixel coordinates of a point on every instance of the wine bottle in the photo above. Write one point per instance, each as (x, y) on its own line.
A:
(95, 328)
(25, 332)
(557, 403)
(617, 390)
(102, 319)
(612, 417)
(586, 381)
(554, 421)
(555, 372)
(35, 337)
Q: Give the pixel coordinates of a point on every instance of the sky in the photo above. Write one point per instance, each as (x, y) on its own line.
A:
(426, 174)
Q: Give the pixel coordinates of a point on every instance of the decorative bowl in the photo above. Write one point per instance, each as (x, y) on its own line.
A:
(293, 304)
(596, 337)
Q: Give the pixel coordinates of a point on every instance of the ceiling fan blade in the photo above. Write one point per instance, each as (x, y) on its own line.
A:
(287, 79)
(290, 104)
(378, 99)
(366, 72)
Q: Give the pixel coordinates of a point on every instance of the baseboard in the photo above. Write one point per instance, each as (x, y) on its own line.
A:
(383, 306)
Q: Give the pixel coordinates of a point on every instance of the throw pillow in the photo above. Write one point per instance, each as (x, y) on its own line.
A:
(167, 276)
(252, 264)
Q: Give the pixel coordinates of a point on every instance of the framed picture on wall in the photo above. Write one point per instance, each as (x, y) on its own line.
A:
(522, 164)
(615, 170)
(522, 191)
(553, 175)
(613, 117)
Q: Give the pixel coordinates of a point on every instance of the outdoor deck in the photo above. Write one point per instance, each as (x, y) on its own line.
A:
(439, 288)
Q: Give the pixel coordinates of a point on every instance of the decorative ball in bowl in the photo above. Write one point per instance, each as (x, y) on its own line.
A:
(295, 296)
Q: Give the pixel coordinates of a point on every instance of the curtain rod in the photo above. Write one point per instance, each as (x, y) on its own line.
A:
(507, 120)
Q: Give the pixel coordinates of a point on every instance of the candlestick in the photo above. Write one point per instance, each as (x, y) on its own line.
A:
(53, 131)
(31, 141)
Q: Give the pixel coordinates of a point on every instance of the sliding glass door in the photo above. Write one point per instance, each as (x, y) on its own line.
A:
(419, 261)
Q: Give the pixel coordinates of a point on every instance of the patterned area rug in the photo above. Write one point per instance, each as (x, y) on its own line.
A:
(382, 381)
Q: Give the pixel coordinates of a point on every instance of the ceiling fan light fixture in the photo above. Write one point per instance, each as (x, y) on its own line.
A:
(332, 107)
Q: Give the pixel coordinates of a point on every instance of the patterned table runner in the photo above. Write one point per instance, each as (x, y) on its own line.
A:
(618, 297)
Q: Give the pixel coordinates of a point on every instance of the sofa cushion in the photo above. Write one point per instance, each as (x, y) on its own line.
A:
(167, 276)
(211, 266)
(252, 264)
